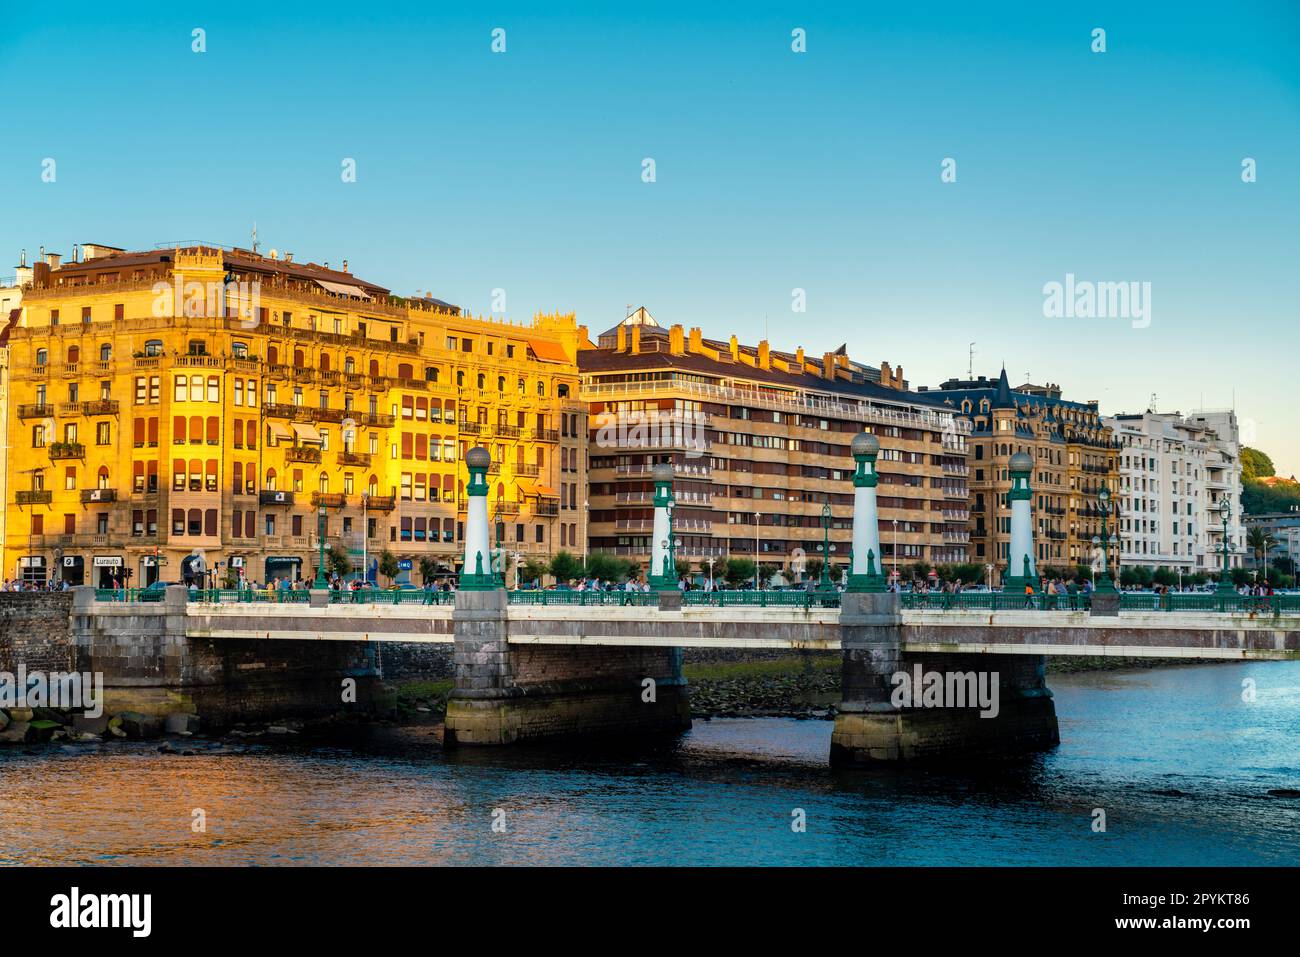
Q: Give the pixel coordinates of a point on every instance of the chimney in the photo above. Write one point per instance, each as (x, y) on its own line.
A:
(53, 259)
(735, 349)
(828, 366)
(764, 355)
(886, 375)
(636, 340)
(345, 265)
(696, 340)
(898, 378)
(798, 357)
(676, 340)
(76, 253)
(622, 339)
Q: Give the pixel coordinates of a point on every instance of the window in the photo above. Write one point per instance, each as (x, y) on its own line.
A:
(104, 433)
(182, 389)
(153, 347)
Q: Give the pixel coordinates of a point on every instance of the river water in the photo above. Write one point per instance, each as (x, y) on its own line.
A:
(1179, 763)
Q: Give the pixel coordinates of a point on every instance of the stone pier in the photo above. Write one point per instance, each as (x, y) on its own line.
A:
(871, 729)
(506, 693)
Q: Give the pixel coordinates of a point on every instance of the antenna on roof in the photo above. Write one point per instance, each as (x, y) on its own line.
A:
(970, 362)
(254, 235)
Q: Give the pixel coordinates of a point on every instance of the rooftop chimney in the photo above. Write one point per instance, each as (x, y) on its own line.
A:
(676, 340)
(636, 340)
(696, 339)
(764, 355)
(53, 259)
(622, 339)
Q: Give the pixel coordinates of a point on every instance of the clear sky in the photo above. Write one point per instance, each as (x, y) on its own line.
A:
(775, 170)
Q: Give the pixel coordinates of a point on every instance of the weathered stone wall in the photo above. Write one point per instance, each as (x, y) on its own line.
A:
(414, 660)
(150, 665)
(34, 631)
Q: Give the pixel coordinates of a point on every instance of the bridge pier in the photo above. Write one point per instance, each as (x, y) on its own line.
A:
(881, 720)
(517, 692)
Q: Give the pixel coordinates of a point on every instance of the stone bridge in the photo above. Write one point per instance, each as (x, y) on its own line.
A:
(526, 667)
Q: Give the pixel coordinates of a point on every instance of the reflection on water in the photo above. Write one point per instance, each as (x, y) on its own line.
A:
(1179, 762)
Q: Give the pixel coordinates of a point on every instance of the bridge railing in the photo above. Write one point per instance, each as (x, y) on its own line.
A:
(567, 597)
(763, 599)
(1209, 601)
(992, 601)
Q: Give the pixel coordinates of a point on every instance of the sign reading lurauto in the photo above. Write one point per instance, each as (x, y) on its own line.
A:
(107, 561)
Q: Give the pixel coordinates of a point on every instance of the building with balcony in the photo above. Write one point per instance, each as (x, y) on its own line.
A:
(205, 401)
(1075, 456)
(759, 442)
(1174, 472)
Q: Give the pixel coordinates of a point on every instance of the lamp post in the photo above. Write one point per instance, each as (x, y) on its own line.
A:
(1225, 580)
(898, 578)
(500, 573)
(320, 534)
(1106, 584)
(758, 582)
(825, 583)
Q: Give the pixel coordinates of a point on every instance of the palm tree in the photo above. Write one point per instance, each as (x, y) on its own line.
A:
(1260, 541)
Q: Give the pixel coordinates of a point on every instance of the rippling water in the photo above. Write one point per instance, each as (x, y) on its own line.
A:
(1179, 762)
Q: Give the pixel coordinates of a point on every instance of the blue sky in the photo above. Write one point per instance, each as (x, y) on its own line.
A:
(775, 170)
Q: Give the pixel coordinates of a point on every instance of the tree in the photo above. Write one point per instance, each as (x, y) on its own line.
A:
(812, 568)
(532, 571)
(1260, 541)
(606, 567)
(388, 565)
(683, 568)
(1165, 576)
(739, 571)
(1255, 464)
(338, 561)
(565, 567)
(428, 569)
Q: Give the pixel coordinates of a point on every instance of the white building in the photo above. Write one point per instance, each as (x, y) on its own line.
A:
(1174, 470)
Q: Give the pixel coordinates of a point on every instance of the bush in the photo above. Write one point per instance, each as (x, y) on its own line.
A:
(565, 567)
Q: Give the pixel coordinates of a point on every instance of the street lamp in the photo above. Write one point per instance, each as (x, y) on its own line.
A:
(758, 584)
(825, 583)
(897, 577)
(1225, 582)
(1106, 584)
(320, 534)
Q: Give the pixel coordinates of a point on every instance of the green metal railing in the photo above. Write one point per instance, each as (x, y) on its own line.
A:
(763, 599)
(565, 597)
(993, 601)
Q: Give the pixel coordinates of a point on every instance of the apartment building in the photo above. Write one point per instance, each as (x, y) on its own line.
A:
(207, 408)
(1174, 472)
(1075, 456)
(759, 441)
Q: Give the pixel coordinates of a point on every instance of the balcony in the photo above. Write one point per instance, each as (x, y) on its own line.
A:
(329, 499)
(527, 471)
(473, 428)
(100, 407)
(357, 459)
(36, 496)
(509, 431)
(100, 495)
(40, 410)
(272, 497)
(67, 450)
(546, 435)
(380, 420)
(546, 509)
(381, 503)
(302, 453)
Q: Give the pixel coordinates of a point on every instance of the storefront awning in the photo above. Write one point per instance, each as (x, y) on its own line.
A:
(307, 433)
(343, 289)
(547, 351)
(536, 489)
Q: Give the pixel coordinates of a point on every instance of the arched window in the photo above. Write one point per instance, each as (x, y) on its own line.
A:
(501, 383)
(298, 359)
(563, 390)
(42, 356)
(349, 365)
(270, 480)
(196, 430)
(212, 475)
(460, 379)
(374, 368)
(541, 388)
(196, 475)
(272, 355)
(324, 483)
(102, 478)
(430, 374)
(324, 363)
(372, 485)
(214, 430)
(482, 381)
(74, 355)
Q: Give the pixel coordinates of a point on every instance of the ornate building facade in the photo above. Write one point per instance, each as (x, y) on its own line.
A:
(1075, 454)
(203, 408)
(760, 443)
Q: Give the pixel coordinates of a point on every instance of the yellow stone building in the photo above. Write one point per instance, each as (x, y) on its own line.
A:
(203, 409)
